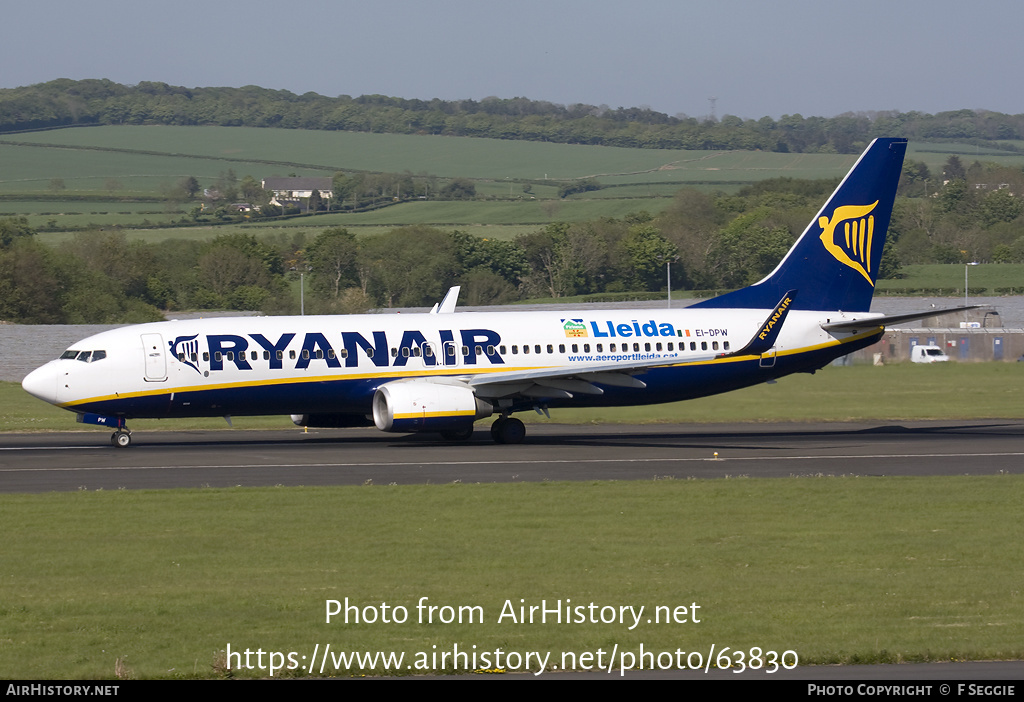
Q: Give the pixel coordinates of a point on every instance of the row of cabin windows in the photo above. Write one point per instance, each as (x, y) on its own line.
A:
(622, 348)
(428, 352)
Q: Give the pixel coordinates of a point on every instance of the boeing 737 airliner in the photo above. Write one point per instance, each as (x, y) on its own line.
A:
(442, 371)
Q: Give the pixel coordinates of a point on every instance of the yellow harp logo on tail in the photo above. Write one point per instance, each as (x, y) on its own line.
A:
(851, 243)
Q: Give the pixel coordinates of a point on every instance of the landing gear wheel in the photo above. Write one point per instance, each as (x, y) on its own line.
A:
(508, 430)
(458, 434)
(121, 439)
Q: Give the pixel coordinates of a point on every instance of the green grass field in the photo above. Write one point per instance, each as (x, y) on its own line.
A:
(983, 279)
(124, 162)
(490, 159)
(159, 584)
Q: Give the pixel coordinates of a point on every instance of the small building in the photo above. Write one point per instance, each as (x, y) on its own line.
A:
(291, 189)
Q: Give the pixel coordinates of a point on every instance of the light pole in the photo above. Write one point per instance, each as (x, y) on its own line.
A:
(972, 263)
(668, 278)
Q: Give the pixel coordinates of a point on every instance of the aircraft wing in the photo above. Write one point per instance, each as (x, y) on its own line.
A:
(609, 372)
(564, 380)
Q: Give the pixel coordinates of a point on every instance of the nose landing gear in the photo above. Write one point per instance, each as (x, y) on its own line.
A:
(122, 438)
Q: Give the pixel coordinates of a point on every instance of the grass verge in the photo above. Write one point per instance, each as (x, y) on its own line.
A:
(836, 569)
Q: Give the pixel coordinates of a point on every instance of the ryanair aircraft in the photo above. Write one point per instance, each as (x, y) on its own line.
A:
(443, 371)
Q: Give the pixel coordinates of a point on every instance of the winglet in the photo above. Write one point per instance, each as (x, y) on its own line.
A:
(447, 305)
(768, 332)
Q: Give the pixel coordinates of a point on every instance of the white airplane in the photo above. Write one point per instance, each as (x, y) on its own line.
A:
(442, 371)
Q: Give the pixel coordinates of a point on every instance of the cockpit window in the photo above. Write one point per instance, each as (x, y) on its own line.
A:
(84, 356)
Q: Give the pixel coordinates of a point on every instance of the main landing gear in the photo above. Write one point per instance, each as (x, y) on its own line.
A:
(508, 430)
(504, 430)
(122, 438)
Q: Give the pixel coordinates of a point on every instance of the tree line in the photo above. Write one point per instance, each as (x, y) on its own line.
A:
(710, 241)
(65, 103)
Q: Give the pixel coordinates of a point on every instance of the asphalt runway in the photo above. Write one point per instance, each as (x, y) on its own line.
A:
(165, 460)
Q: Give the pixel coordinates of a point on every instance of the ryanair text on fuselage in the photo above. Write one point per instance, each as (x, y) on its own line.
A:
(465, 346)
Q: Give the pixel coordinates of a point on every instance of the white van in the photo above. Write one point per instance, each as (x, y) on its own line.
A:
(928, 354)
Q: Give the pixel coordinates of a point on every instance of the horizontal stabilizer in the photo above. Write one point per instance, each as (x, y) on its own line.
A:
(889, 320)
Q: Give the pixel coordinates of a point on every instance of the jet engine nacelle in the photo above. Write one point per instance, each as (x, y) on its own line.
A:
(420, 406)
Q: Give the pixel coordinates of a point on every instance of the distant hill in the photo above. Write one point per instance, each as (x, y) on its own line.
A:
(65, 102)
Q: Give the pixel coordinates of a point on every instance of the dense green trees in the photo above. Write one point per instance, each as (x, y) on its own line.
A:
(66, 102)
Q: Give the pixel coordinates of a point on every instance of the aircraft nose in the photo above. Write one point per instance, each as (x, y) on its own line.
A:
(42, 383)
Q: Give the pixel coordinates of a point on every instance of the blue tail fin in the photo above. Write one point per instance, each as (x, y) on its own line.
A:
(835, 261)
